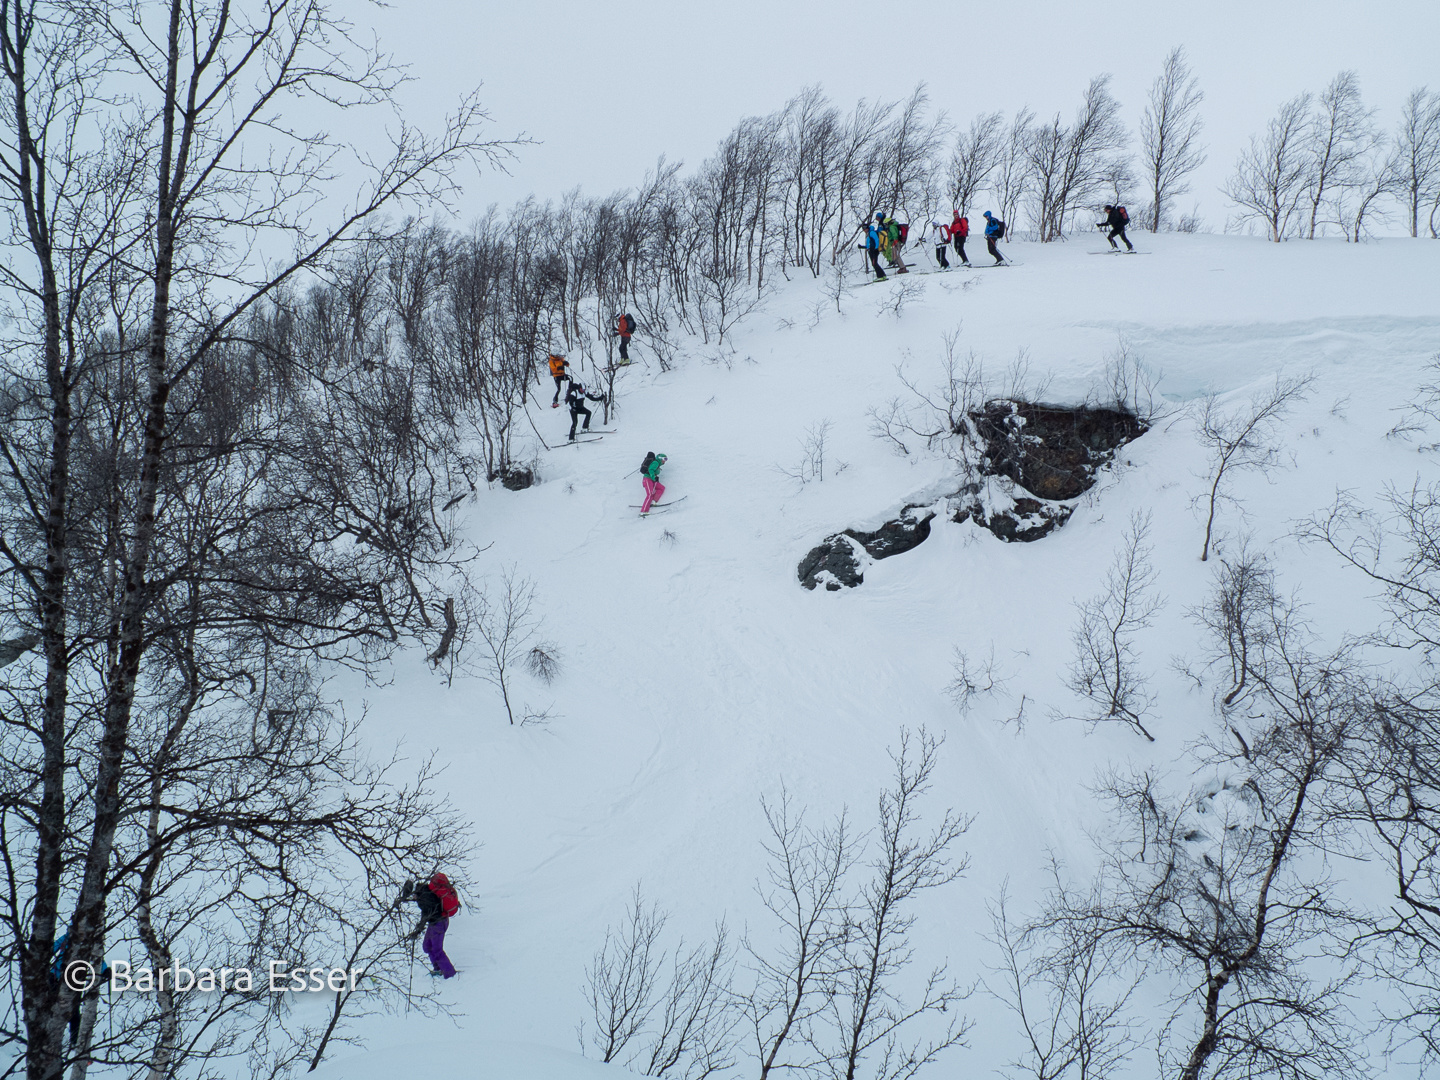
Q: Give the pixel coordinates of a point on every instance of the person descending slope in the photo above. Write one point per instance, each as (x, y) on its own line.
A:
(624, 327)
(959, 230)
(575, 397)
(438, 903)
(558, 364)
(650, 478)
(1116, 218)
(994, 232)
(938, 234)
(871, 247)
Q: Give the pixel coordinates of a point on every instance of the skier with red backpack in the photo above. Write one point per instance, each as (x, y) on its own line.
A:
(438, 903)
(1116, 218)
(938, 233)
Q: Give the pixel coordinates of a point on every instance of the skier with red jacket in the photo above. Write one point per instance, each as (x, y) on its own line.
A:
(959, 230)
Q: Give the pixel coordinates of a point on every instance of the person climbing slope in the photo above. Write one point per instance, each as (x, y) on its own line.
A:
(438, 902)
(650, 478)
(959, 230)
(1116, 218)
(558, 364)
(994, 233)
(576, 397)
(624, 327)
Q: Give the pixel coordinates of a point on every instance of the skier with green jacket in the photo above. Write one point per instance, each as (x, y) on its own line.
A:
(650, 477)
(895, 233)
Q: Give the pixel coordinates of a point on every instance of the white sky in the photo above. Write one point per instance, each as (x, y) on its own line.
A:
(606, 87)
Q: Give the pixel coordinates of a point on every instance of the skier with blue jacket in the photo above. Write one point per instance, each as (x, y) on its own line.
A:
(871, 247)
(994, 230)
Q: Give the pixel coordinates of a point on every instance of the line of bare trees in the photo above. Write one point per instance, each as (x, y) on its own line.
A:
(1324, 161)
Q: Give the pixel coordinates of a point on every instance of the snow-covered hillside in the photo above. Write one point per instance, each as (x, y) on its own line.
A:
(698, 676)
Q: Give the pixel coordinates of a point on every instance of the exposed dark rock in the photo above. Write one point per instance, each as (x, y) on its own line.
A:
(897, 536)
(1052, 451)
(1026, 520)
(832, 562)
(1048, 453)
(835, 562)
(518, 478)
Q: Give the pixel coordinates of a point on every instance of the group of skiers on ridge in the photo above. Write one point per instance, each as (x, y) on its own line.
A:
(886, 236)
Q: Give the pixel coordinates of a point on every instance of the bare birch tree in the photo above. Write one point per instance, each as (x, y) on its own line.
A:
(1342, 132)
(977, 153)
(869, 1021)
(1170, 130)
(1270, 177)
(1418, 141)
(804, 891)
(1071, 164)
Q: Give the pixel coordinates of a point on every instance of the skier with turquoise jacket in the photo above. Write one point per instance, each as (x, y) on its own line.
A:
(650, 477)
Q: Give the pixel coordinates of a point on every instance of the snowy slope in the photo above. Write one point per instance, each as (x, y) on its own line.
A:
(698, 675)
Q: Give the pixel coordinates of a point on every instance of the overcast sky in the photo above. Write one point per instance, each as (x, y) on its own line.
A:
(607, 87)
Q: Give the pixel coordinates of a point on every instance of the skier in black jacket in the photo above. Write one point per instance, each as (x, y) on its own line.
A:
(433, 920)
(575, 397)
(1115, 220)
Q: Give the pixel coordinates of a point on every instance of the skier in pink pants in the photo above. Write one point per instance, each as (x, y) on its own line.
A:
(650, 477)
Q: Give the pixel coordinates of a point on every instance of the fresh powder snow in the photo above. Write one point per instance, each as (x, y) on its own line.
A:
(698, 676)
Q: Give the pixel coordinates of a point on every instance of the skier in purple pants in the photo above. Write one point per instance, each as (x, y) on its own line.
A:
(430, 897)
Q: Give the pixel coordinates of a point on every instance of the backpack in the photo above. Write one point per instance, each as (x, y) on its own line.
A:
(999, 229)
(629, 321)
(944, 234)
(1124, 214)
(645, 465)
(445, 893)
(904, 231)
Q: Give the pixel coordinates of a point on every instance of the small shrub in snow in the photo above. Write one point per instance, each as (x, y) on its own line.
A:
(813, 445)
(974, 679)
(544, 662)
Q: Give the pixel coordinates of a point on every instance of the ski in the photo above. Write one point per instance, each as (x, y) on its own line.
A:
(1119, 253)
(577, 441)
(1007, 262)
(656, 506)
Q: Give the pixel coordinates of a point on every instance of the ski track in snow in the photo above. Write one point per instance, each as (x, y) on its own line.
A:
(697, 676)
